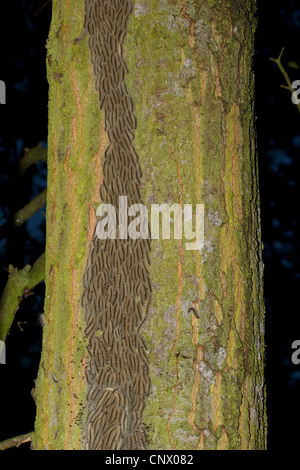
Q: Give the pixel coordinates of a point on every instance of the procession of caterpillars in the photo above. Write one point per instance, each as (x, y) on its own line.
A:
(117, 287)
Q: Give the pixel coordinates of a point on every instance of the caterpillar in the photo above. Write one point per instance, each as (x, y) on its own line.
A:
(115, 301)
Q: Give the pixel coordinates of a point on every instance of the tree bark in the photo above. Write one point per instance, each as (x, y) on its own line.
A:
(191, 81)
(76, 141)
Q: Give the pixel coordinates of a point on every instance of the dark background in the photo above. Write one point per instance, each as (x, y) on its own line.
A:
(23, 123)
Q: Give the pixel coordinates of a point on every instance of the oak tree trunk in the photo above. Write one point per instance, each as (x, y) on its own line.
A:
(191, 83)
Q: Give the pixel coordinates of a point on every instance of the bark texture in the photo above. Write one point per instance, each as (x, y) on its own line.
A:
(76, 142)
(192, 83)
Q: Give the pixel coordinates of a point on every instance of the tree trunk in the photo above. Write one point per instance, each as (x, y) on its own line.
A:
(191, 83)
(76, 142)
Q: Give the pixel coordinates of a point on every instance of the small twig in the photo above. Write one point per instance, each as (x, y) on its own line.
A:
(31, 156)
(19, 323)
(285, 74)
(15, 441)
(282, 69)
(42, 7)
(27, 211)
(24, 214)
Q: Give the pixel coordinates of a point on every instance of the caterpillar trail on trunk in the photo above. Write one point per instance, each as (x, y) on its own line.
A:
(115, 302)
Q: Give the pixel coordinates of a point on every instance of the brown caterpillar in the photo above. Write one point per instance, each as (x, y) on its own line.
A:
(117, 286)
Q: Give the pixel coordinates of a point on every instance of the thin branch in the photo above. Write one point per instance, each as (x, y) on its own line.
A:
(27, 211)
(15, 441)
(18, 286)
(42, 7)
(23, 214)
(285, 74)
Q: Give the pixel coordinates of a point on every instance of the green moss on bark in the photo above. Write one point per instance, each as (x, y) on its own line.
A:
(190, 74)
(76, 143)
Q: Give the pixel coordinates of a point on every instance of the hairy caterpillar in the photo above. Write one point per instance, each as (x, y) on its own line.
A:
(117, 287)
